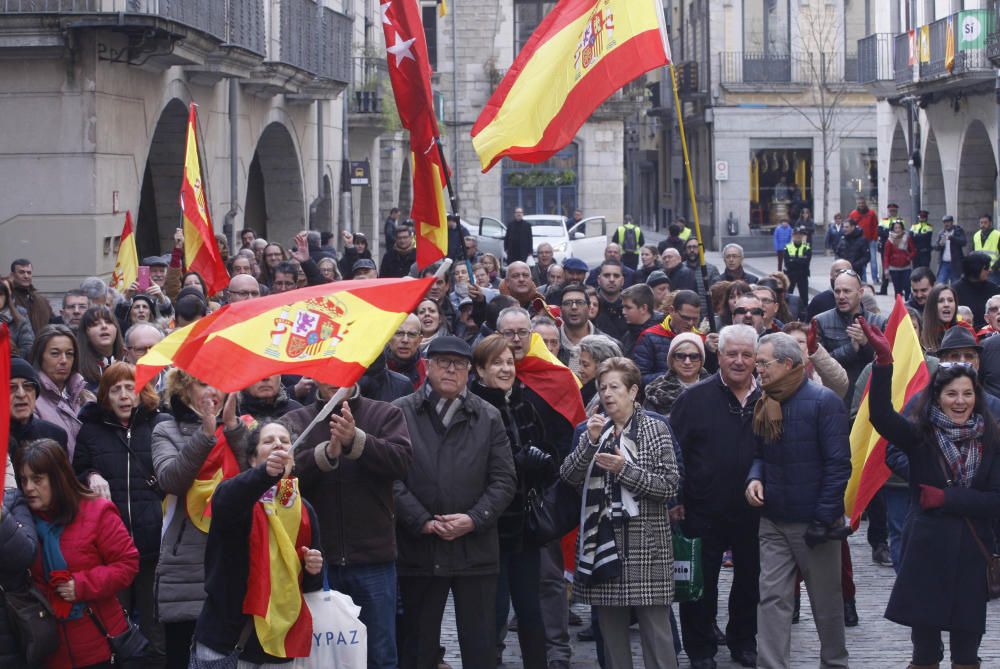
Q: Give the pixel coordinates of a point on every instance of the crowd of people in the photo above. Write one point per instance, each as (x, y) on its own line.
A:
(718, 406)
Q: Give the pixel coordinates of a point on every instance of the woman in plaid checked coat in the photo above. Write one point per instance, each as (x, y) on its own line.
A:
(625, 468)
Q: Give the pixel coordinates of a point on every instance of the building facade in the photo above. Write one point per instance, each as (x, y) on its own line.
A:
(775, 118)
(94, 113)
(933, 67)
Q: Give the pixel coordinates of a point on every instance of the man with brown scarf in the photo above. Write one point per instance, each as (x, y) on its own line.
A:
(798, 479)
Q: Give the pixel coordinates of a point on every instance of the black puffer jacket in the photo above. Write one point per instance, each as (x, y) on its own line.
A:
(18, 545)
(525, 428)
(122, 455)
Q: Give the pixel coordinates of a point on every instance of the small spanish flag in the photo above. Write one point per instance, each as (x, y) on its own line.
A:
(553, 381)
(909, 377)
(201, 252)
(127, 263)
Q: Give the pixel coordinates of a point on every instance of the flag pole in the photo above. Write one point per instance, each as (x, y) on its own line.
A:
(327, 409)
(452, 196)
(694, 201)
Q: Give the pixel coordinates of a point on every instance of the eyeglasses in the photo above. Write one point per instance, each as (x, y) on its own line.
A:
(766, 300)
(138, 351)
(516, 334)
(743, 311)
(764, 365)
(28, 388)
(569, 304)
(688, 357)
(451, 363)
(407, 334)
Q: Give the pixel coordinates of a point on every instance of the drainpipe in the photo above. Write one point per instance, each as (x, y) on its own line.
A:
(228, 227)
(913, 122)
(317, 206)
(456, 172)
(346, 213)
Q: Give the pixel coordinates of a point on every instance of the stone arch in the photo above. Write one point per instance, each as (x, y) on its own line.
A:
(932, 196)
(898, 187)
(275, 200)
(977, 176)
(159, 204)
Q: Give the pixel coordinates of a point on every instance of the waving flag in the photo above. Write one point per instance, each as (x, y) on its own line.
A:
(280, 529)
(909, 377)
(330, 332)
(201, 253)
(410, 73)
(218, 466)
(581, 53)
(553, 381)
(127, 263)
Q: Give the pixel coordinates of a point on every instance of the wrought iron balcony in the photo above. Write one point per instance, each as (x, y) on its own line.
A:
(803, 69)
(369, 83)
(875, 58)
(934, 53)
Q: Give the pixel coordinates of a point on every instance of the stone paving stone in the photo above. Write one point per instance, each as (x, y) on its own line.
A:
(875, 644)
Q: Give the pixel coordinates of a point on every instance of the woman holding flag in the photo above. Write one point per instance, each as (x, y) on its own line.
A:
(192, 452)
(953, 445)
(265, 529)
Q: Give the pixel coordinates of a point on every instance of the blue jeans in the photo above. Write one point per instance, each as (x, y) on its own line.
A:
(520, 582)
(373, 588)
(944, 272)
(897, 507)
(873, 252)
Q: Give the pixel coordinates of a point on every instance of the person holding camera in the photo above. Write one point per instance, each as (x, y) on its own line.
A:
(535, 465)
(797, 480)
(113, 457)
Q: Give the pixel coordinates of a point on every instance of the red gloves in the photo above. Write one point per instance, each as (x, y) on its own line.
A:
(60, 607)
(878, 342)
(931, 497)
(812, 338)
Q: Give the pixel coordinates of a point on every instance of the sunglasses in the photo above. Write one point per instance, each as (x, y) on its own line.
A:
(688, 357)
(849, 272)
(743, 311)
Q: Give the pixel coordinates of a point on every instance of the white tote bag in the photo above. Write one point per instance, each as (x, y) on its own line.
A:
(339, 639)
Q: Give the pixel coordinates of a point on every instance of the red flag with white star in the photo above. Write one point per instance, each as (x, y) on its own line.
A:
(410, 72)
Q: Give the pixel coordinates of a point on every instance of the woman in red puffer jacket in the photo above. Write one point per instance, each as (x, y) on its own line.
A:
(85, 554)
(897, 258)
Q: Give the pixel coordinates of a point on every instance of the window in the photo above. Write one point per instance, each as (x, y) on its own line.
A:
(429, 18)
(766, 27)
(858, 23)
(549, 187)
(527, 15)
(858, 171)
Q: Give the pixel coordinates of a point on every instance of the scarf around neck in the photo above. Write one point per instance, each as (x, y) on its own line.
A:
(960, 443)
(53, 560)
(767, 422)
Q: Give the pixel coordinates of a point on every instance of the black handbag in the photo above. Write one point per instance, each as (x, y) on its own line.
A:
(129, 648)
(33, 623)
(554, 513)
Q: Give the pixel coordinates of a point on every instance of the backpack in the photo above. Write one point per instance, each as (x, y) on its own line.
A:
(629, 241)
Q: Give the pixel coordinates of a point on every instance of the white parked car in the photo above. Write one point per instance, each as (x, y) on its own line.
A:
(585, 240)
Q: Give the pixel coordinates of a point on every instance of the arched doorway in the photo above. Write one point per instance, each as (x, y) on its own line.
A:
(932, 186)
(275, 203)
(977, 176)
(898, 188)
(159, 200)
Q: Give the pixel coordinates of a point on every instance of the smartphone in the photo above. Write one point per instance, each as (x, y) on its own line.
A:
(143, 278)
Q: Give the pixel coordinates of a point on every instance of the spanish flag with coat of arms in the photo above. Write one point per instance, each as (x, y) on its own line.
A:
(580, 54)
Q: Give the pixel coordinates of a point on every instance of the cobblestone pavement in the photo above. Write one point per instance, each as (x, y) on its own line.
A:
(874, 644)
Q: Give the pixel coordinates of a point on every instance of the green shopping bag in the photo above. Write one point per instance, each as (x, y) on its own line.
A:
(688, 579)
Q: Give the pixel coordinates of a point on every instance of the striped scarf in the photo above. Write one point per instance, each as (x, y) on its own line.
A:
(961, 444)
(443, 410)
(604, 507)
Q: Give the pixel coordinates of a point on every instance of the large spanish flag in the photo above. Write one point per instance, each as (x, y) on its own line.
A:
(581, 53)
(330, 332)
(201, 253)
(127, 263)
(909, 377)
(553, 381)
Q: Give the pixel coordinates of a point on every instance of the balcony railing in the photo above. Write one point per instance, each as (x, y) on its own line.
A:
(335, 44)
(916, 58)
(745, 67)
(875, 58)
(48, 6)
(368, 78)
(315, 39)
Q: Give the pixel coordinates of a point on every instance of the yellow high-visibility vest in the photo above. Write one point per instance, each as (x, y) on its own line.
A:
(989, 247)
(685, 233)
(794, 251)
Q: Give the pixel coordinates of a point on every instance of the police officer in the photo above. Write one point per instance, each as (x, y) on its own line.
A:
(922, 234)
(629, 237)
(987, 238)
(798, 255)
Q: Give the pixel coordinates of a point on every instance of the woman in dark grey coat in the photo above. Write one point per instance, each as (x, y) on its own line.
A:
(952, 443)
(18, 545)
